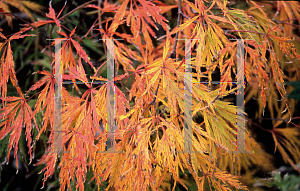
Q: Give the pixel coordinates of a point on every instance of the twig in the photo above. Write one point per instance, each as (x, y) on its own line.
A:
(284, 120)
(90, 28)
(19, 18)
(295, 124)
(99, 14)
(163, 111)
(52, 26)
(79, 7)
(281, 22)
(259, 126)
(212, 102)
(154, 99)
(244, 31)
(277, 12)
(173, 54)
(272, 119)
(291, 19)
(180, 12)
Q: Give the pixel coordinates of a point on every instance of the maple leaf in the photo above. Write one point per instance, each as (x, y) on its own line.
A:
(52, 15)
(44, 100)
(8, 66)
(285, 139)
(80, 51)
(16, 114)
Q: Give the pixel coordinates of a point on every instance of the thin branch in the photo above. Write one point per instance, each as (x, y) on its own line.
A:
(173, 54)
(77, 8)
(99, 14)
(163, 111)
(212, 102)
(281, 22)
(244, 31)
(277, 12)
(284, 120)
(19, 18)
(52, 26)
(90, 28)
(272, 119)
(267, 130)
(187, 17)
(295, 124)
(291, 19)
(154, 99)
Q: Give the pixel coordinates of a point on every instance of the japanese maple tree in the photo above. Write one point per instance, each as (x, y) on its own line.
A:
(149, 88)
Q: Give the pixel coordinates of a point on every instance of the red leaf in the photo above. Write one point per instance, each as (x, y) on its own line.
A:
(62, 33)
(18, 36)
(42, 81)
(81, 52)
(51, 15)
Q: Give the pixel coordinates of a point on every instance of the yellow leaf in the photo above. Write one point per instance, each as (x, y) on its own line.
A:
(162, 101)
(184, 25)
(127, 115)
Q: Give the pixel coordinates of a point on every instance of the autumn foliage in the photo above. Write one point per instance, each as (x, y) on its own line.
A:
(149, 91)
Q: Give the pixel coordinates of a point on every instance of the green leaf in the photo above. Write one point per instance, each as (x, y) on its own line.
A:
(93, 45)
(295, 94)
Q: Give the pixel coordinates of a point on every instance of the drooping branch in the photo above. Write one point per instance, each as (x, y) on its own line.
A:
(172, 55)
